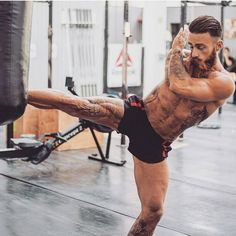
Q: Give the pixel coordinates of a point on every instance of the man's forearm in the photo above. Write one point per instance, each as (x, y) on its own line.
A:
(178, 76)
(176, 67)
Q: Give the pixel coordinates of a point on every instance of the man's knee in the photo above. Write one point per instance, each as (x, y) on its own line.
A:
(153, 210)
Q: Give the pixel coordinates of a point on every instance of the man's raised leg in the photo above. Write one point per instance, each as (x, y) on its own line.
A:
(152, 183)
(101, 110)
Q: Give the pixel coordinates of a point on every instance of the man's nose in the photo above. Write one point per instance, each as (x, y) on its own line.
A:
(194, 53)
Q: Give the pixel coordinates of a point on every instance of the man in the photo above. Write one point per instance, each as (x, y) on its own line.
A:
(192, 90)
(230, 65)
(228, 59)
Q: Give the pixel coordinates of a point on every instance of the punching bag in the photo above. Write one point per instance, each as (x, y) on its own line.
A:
(15, 32)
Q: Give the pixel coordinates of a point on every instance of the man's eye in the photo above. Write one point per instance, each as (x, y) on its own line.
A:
(201, 48)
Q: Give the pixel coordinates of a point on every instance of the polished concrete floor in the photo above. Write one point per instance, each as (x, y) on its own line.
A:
(70, 195)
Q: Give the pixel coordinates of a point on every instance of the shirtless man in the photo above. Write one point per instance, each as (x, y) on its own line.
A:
(192, 90)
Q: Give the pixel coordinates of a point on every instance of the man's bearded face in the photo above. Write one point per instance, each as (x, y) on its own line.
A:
(204, 64)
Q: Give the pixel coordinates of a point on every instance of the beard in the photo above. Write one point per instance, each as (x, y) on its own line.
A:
(200, 68)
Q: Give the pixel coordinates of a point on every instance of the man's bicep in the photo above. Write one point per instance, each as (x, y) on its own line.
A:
(201, 91)
(195, 90)
(211, 89)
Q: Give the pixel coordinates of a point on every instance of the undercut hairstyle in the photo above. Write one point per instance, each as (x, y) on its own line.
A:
(206, 24)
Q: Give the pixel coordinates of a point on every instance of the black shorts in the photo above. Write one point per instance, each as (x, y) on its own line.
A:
(144, 143)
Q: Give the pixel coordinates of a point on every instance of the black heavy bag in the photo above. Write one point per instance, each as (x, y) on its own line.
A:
(15, 32)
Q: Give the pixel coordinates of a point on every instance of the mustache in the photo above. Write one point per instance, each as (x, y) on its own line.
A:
(209, 62)
(195, 60)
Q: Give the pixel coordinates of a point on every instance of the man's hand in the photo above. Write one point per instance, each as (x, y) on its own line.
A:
(181, 38)
(186, 53)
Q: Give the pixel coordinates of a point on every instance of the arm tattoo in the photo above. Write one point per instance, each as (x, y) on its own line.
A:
(167, 62)
(176, 67)
(94, 110)
(182, 71)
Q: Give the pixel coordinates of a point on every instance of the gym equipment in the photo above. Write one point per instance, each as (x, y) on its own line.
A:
(15, 25)
(36, 151)
(127, 35)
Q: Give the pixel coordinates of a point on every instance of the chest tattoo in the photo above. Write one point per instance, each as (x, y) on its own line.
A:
(197, 116)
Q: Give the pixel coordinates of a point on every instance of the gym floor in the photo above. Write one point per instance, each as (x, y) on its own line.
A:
(70, 195)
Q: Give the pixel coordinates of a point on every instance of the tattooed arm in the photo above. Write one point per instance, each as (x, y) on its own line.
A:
(217, 86)
(167, 62)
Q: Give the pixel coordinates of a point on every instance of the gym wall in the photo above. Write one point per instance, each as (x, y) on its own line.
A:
(38, 71)
(78, 51)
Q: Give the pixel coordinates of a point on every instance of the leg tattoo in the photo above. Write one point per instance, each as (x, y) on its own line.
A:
(104, 111)
(140, 228)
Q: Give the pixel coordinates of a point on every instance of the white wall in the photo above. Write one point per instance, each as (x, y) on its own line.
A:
(38, 71)
(3, 136)
(154, 41)
(62, 63)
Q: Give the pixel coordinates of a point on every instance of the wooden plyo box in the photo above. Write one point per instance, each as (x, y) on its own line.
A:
(37, 121)
(28, 123)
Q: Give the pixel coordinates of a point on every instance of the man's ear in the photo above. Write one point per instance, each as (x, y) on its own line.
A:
(219, 45)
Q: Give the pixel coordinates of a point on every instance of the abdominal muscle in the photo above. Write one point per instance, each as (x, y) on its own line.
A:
(169, 114)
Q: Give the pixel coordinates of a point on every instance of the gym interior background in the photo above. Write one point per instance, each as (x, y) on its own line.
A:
(203, 183)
